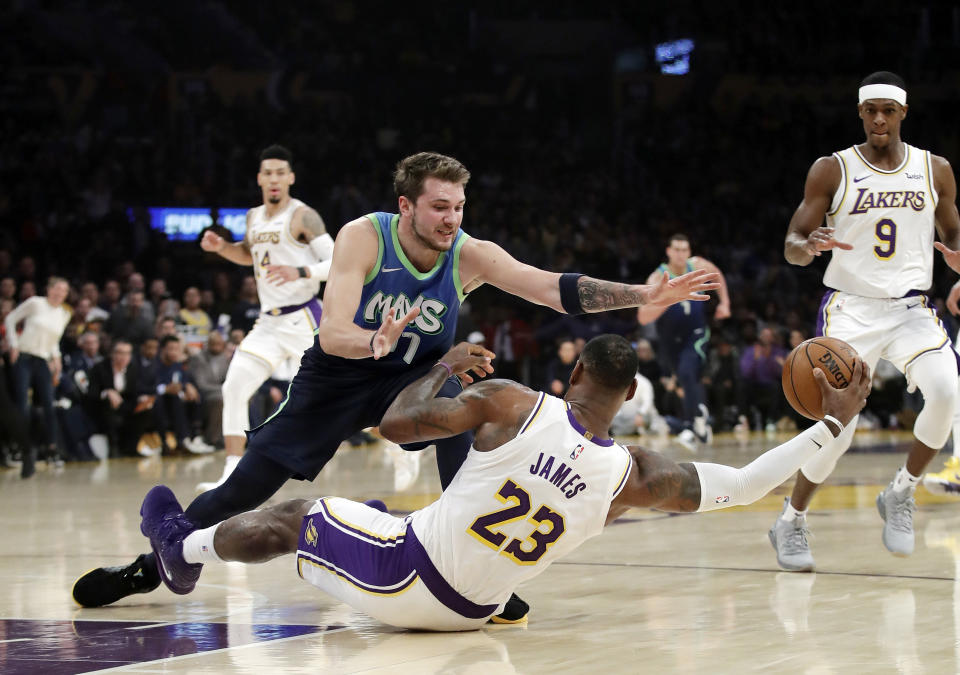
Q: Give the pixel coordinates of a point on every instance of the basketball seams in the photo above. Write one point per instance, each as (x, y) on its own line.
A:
(793, 392)
(839, 357)
(806, 352)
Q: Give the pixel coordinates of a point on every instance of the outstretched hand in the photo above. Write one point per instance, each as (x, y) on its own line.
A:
(846, 403)
(389, 332)
(821, 239)
(466, 358)
(690, 286)
(951, 257)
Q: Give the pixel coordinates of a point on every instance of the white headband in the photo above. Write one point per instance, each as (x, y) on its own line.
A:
(890, 91)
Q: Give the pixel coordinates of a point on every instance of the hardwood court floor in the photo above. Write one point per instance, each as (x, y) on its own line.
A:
(655, 594)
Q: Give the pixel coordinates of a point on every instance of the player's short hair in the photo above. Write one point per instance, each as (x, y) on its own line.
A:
(610, 361)
(884, 77)
(167, 339)
(678, 237)
(53, 281)
(277, 152)
(413, 171)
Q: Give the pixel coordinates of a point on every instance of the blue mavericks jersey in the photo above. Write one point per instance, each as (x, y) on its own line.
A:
(680, 321)
(395, 282)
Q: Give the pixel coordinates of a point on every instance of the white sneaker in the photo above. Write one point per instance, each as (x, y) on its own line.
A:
(145, 450)
(99, 446)
(701, 425)
(197, 446)
(687, 439)
(406, 466)
(228, 467)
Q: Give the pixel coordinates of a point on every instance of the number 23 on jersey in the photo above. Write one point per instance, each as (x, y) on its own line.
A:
(549, 526)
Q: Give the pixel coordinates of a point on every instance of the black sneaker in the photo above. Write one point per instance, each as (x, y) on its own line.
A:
(106, 585)
(515, 611)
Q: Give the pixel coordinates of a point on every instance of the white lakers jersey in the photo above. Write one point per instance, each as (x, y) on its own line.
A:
(512, 511)
(888, 218)
(271, 243)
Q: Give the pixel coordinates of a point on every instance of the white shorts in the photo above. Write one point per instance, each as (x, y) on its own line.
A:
(899, 330)
(374, 562)
(274, 339)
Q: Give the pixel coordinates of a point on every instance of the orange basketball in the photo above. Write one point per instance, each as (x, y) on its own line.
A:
(831, 355)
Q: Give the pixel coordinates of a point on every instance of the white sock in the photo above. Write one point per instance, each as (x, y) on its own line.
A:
(198, 546)
(904, 480)
(790, 514)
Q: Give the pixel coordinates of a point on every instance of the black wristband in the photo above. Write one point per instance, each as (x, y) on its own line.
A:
(569, 294)
(302, 271)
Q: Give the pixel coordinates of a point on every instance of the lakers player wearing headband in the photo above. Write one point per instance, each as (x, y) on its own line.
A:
(883, 201)
(290, 251)
(542, 476)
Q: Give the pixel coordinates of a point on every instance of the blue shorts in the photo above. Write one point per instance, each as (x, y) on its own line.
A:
(329, 400)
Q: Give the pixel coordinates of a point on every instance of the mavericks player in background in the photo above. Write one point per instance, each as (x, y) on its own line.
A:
(683, 335)
(541, 478)
(290, 250)
(883, 200)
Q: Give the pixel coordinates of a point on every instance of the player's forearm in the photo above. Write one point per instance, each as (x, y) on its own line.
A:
(724, 486)
(411, 417)
(795, 250)
(597, 295)
(236, 253)
(346, 340)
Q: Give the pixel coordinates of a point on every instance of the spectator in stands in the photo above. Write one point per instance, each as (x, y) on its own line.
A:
(110, 298)
(130, 321)
(177, 407)
(194, 323)
(28, 290)
(761, 367)
(247, 307)
(721, 377)
(209, 369)
(166, 325)
(8, 288)
(14, 437)
(35, 355)
(560, 367)
(120, 401)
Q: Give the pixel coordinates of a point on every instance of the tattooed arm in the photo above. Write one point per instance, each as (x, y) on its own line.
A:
(658, 482)
(485, 262)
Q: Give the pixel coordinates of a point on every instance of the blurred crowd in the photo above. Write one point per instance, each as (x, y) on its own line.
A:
(584, 158)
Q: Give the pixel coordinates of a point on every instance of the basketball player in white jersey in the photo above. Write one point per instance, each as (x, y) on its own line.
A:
(883, 200)
(542, 477)
(290, 250)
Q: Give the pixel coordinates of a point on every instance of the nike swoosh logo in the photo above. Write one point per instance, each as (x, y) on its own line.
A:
(164, 567)
(390, 269)
(860, 178)
(916, 304)
(814, 442)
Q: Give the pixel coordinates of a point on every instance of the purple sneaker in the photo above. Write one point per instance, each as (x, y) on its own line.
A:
(163, 523)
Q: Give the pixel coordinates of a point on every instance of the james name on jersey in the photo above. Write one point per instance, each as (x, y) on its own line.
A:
(544, 469)
(428, 322)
